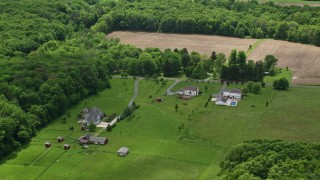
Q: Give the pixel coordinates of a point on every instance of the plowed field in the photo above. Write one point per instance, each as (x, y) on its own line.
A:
(304, 60)
(203, 44)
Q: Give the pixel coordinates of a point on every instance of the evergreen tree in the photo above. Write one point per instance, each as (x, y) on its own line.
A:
(233, 57)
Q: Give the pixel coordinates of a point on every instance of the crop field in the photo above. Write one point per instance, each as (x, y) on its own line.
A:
(201, 43)
(164, 143)
(302, 59)
(293, 2)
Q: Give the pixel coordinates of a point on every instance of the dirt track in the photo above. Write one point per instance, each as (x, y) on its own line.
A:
(201, 43)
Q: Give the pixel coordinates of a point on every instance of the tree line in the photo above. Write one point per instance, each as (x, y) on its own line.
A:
(26, 26)
(227, 18)
(238, 69)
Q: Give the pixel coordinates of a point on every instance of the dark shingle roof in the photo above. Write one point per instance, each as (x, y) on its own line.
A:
(235, 91)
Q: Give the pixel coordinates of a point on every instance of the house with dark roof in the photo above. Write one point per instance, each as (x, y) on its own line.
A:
(221, 100)
(189, 91)
(233, 93)
(88, 139)
(91, 115)
(124, 151)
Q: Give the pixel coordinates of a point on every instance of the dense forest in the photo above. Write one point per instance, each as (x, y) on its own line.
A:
(25, 25)
(272, 159)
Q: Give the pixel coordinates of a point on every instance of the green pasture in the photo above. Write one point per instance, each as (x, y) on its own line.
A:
(279, 74)
(164, 143)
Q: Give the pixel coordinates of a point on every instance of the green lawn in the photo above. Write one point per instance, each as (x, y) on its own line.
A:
(284, 73)
(159, 149)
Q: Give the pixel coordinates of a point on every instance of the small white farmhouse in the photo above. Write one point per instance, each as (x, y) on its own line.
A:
(234, 93)
(189, 91)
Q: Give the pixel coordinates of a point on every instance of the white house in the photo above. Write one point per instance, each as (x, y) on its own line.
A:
(189, 91)
(234, 93)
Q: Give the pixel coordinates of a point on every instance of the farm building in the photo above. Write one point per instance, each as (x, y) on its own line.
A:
(158, 100)
(124, 151)
(189, 91)
(47, 144)
(66, 146)
(60, 139)
(88, 139)
(90, 115)
(234, 93)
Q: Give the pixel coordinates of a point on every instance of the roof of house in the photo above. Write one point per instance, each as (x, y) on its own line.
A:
(232, 91)
(124, 150)
(66, 145)
(92, 115)
(60, 137)
(47, 143)
(191, 88)
(88, 137)
(98, 139)
(221, 98)
(235, 91)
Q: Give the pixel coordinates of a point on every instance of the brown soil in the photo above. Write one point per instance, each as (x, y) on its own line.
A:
(304, 60)
(297, 4)
(204, 44)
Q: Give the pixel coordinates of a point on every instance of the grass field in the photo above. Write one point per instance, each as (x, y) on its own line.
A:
(279, 74)
(159, 149)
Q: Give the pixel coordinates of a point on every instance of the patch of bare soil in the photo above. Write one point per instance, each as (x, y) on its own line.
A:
(303, 59)
(204, 44)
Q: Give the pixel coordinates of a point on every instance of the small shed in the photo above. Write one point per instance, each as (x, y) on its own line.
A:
(47, 144)
(66, 146)
(159, 100)
(124, 151)
(60, 139)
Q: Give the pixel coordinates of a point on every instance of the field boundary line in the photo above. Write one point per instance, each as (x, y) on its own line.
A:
(254, 46)
(50, 165)
(38, 158)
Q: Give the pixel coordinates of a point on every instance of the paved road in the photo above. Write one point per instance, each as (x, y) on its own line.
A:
(168, 91)
(223, 88)
(135, 94)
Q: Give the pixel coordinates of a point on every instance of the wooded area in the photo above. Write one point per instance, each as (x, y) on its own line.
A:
(272, 159)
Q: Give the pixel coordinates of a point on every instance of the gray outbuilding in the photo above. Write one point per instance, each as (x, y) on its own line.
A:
(124, 151)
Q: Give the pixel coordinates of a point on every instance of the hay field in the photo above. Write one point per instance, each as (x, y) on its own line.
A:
(204, 44)
(304, 60)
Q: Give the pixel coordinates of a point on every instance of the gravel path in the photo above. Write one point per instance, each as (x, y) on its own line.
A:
(168, 91)
(135, 94)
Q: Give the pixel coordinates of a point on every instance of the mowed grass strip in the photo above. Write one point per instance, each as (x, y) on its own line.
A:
(14, 172)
